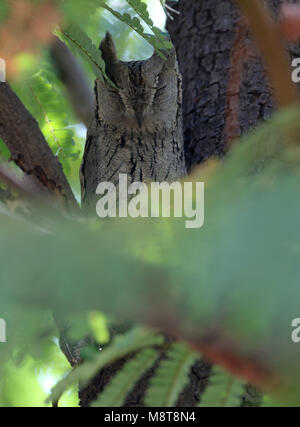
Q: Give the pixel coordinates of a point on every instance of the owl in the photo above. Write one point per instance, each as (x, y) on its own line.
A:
(136, 128)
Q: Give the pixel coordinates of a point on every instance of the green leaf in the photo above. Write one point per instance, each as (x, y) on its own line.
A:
(130, 342)
(52, 119)
(171, 376)
(115, 393)
(223, 390)
(80, 43)
(157, 41)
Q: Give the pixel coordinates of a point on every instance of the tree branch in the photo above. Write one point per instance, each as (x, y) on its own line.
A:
(29, 149)
(74, 79)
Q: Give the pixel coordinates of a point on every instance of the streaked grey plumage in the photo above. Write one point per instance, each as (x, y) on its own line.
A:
(136, 128)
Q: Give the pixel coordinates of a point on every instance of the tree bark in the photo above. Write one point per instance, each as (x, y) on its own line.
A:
(29, 149)
(225, 88)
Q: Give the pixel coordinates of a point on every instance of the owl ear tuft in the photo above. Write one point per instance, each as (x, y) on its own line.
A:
(114, 68)
(108, 49)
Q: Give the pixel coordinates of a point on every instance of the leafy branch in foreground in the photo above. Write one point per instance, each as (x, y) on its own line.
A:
(124, 381)
(171, 376)
(80, 43)
(53, 122)
(223, 390)
(158, 40)
(222, 309)
(128, 343)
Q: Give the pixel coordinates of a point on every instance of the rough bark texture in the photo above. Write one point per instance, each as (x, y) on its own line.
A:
(29, 149)
(225, 89)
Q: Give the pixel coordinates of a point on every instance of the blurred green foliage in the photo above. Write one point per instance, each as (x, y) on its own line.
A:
(238, 276)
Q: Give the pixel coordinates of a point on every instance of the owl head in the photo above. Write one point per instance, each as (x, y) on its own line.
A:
(145, 94)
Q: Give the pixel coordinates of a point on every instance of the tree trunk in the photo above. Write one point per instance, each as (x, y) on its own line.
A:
(225, 94)
(225, 88)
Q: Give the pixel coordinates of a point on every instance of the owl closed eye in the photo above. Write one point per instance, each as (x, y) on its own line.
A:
(144, 92)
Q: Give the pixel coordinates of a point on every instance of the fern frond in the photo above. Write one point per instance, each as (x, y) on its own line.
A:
(171, 377)
(53, 122)
(142, 11)
(122, 383)
(157, 41)
(134, 340)
(223, 390)
(81, 44)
